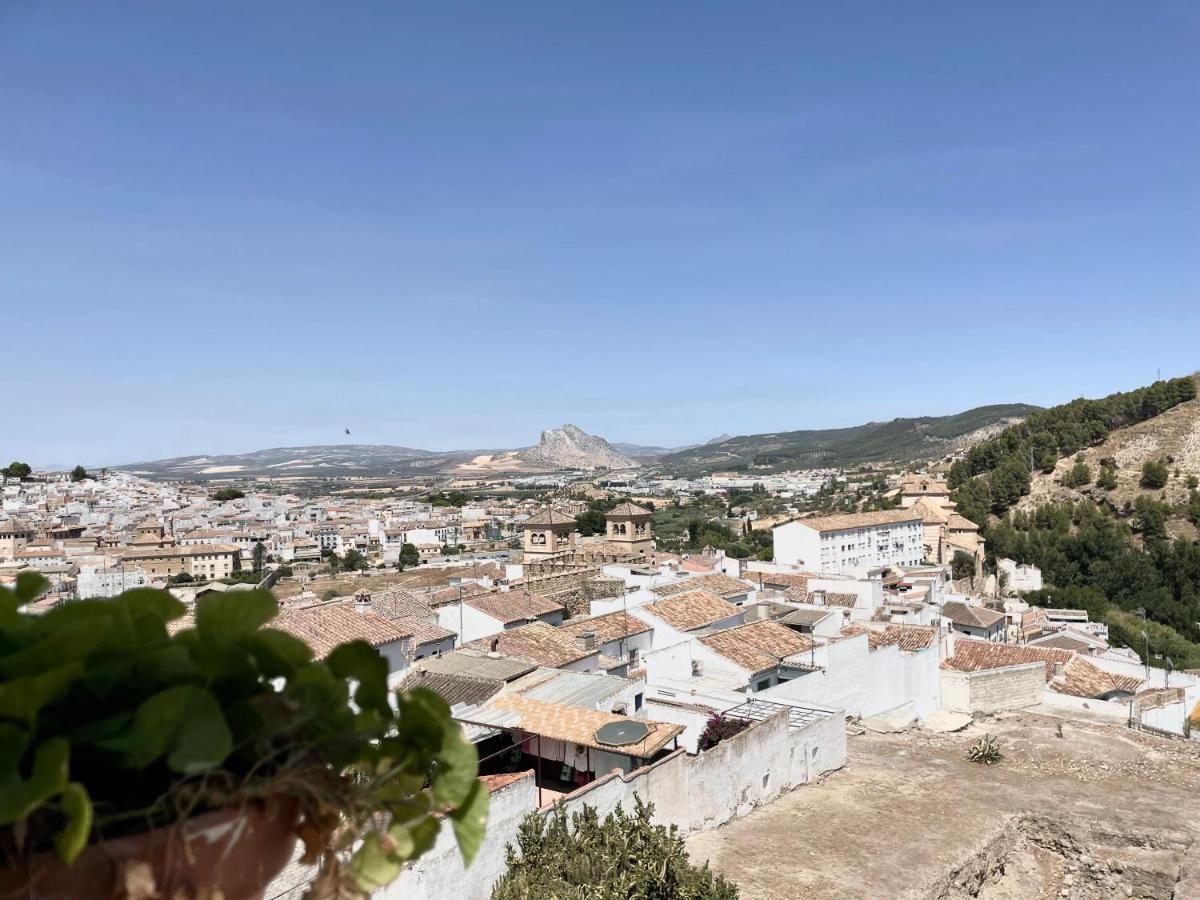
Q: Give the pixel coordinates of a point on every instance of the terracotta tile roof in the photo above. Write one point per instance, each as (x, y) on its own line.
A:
(326, 625)
(931, 511)
(971, 616)
(575, 725)
(757, 646)
(909, 638)
(691, 610)
(627, 510)
(976, 656)
(548, 517)
(1081, 678)
(517, 605)
(781, 580)
(423, 630)
(608, 627)
(719, 584)
(847, 521)
(537, 642)
(961, 523)
(397, 602)
(846, 601)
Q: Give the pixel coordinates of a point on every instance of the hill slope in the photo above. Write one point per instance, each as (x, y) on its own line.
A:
(899, 439)
(331, 459)
(1172, 436)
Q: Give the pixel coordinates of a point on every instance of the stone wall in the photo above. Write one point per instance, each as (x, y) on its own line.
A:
(993, 690)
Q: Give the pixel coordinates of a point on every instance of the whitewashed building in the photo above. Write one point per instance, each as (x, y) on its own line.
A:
(850, 543)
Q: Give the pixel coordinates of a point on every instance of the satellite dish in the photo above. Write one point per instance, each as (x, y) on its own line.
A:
(619, 734)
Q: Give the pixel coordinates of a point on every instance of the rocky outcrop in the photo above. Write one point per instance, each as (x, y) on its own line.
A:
(570, 447)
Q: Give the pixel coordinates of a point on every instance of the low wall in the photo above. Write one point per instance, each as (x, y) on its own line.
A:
(694, 793)
(993, 690)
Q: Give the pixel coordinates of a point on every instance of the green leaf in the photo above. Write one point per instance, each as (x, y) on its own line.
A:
(277, 653)
(457, 765)
(30, 586)
(48, 776)
(469, 821)
(424, 833)
(156, 604)
(77, 807)
(372, 865)
(227, 617)
(362, 662)
(184, 723)
(24, 698)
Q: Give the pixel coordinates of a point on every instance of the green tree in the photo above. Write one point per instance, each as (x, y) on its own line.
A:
(619, 857)
(1107, 478)
(224, 495)
(1192, 508)
(1154, 474)
(353, 560)
(260, 553)
(962, 565)
(79, 473)
(1078, 475)
(1193, 482)
(17, 470)
(409, 556)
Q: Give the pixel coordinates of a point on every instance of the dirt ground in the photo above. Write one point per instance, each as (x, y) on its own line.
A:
(1100, 812)
(348, 583)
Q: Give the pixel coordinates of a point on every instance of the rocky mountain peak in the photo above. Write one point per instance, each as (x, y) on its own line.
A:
(570, 447)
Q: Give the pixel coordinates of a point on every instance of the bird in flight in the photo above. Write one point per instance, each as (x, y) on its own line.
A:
(347, 431)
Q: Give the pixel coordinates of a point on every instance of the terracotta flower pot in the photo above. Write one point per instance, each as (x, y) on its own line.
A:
(235, 851)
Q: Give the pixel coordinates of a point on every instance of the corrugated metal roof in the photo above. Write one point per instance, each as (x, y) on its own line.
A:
(478, 666)
(579, 689)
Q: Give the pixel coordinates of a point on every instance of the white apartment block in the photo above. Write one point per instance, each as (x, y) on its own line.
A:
(851, 543)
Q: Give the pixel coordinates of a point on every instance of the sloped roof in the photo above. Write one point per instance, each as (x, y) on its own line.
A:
(453, 688)
(758, 645)
(326, 625)
(627, 510)
(931, 511)
(846, 601)
(579, 726)
(608, 627)
(548, 517)
(847, 521)
(971, 616)
(1081, 678)
(537, 642)
(691, 610)
(976, 656)
(909, 638)
(518, 605)
(717, 583)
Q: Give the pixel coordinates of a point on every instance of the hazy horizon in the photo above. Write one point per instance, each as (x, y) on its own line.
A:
(229, 228)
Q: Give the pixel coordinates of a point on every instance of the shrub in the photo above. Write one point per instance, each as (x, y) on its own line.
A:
(111, 725)
(1078, 475)
(623, 856)
(1154, 474)
(985, 751)
(718, 728)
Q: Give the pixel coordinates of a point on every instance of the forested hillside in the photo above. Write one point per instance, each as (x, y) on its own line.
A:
(995, 473)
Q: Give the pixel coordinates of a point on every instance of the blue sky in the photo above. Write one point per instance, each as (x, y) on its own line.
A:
(226, 226)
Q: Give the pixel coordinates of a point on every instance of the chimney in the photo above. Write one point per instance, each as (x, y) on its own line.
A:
(1059, 670)
(586, 640)
(362, 602)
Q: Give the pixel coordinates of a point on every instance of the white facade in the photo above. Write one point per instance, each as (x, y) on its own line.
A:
(849, 550)
(1020, 578)
(108, 583)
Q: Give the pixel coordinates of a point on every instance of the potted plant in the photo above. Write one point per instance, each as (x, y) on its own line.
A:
(143, 759)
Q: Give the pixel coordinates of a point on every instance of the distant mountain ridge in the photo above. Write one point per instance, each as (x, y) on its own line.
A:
(899, 439)
(570, 447)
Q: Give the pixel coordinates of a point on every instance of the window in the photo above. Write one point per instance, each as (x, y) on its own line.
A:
(637, 701)
(763, 685)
